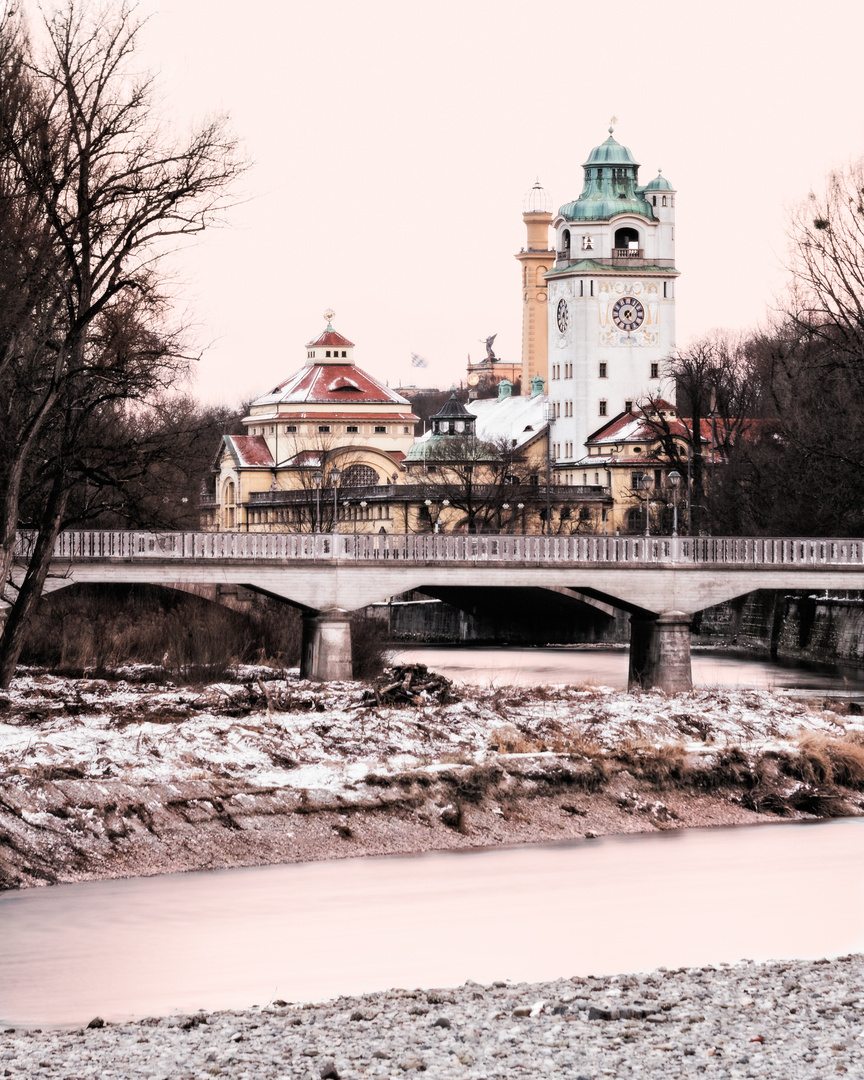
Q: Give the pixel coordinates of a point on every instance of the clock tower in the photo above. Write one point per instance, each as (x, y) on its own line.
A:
(611, 299)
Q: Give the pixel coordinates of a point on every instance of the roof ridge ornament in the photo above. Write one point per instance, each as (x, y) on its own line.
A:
(329, 315)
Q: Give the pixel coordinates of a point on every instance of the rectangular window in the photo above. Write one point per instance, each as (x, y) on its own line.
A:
(635, 479)
(328, 352)
(592, 286)
(602, 371)
(290, 429)
(665, 283)
(352, 429)
(658, 478)
(323, 428)
(655, 371)
(628, 406)
(380, 429)
(603, 408)
(272, 429)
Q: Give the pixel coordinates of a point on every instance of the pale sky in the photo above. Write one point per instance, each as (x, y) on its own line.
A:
(393, 141)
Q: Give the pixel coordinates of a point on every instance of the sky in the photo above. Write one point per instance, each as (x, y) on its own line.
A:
(392, 143)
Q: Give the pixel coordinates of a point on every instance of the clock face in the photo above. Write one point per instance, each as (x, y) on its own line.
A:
(563, 315)
(473, 379)
(628, 314)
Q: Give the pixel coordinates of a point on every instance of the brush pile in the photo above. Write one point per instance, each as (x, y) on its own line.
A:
(411, 684)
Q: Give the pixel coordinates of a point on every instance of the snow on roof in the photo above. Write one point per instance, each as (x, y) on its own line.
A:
(330, 337)
(519, 419)
(338, 383)
(249, 450)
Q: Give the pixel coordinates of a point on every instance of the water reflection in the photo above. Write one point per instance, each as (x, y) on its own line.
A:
(234, 938)
(524, 666)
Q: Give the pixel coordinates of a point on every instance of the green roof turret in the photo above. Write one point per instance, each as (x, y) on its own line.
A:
(659, 183)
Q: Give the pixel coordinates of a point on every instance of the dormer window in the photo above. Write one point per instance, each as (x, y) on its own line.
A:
(343, 384)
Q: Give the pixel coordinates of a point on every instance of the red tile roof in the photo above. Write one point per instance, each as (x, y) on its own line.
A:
(330, 337)
(250, 450)
(343, 384)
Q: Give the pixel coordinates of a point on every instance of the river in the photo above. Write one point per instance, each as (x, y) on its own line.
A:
(234, 938)
(532, 666)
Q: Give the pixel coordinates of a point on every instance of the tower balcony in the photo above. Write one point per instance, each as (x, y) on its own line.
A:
(620, 257)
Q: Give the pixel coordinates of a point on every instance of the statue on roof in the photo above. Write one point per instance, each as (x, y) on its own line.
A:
(490, 352)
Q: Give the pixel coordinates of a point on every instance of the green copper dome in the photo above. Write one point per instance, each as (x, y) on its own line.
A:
(659, 183)
(611, 153)
(610, 188)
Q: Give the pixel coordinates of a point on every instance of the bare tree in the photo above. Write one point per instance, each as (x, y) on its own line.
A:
(826, 298)
(717, 400)
(97, 192)
(477, 477)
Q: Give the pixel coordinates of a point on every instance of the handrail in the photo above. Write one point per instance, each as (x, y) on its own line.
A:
(425, 548)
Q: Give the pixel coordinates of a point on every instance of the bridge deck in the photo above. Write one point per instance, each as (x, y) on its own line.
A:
(447, 549)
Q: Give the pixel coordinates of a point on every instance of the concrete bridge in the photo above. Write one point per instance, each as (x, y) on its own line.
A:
(660, 581)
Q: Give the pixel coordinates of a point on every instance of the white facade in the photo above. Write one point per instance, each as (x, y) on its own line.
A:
(611, 307)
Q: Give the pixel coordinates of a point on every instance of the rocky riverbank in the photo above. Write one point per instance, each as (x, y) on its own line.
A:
(792, 1020)
(132, 776)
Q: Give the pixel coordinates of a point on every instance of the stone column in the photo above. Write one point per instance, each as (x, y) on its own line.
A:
(326, 646)
(660, 652)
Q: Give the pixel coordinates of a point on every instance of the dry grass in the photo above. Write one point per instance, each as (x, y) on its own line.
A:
(824, 760)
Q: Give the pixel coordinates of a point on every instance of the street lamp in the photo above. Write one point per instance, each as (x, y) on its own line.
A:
(645, 485)
(317, 477)
(429, 503)
(506, 506)
(521, 508)
(674, 479)
(336, 474)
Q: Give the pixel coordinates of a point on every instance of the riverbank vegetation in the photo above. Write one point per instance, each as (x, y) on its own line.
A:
(143, 773)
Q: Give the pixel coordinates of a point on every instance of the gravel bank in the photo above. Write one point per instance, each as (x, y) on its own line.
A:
(787, 1020)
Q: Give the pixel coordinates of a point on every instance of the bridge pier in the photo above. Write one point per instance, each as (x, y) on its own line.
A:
(326, 647)
(660, 652)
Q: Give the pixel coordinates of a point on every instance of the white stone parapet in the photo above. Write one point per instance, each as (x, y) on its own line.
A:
(447, 548)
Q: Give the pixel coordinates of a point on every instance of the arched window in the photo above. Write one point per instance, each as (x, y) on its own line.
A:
(565, 241)
(359, 476)
(626, 236)
(538, 277)
(230, 498)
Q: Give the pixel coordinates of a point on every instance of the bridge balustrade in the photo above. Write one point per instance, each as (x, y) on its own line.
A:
(77, 545)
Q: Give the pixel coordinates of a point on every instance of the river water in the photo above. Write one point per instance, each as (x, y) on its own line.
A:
(532, 666)
(234, 938)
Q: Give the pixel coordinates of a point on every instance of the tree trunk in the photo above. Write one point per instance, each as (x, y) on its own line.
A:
(30, 593)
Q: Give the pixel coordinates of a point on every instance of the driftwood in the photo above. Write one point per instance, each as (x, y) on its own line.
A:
(411, 684)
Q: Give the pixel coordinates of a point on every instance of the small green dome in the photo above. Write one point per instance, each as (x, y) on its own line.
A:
(659, 183)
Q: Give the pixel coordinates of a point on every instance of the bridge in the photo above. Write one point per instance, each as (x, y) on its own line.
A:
(661, 581)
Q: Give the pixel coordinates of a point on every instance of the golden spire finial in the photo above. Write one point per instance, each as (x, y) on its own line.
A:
(613, 121)
(329, 315)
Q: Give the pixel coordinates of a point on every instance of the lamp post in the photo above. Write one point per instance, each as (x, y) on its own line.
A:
(506, 506)
(521, 508)
(429, 503)
(674, 479)
(317, 477)
(336, 475)
(363, 505)
(645, 485)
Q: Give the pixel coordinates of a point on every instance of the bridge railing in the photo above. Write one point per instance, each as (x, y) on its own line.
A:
(452, 548)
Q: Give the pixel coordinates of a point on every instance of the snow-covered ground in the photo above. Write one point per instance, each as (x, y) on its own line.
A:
(286, 732)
